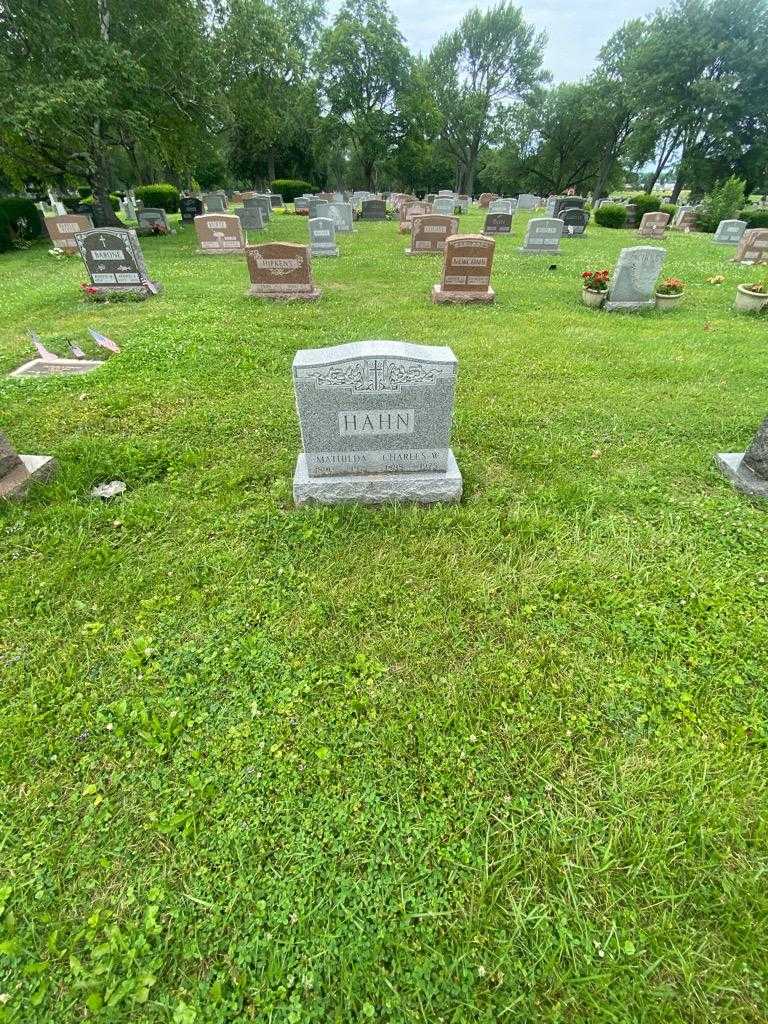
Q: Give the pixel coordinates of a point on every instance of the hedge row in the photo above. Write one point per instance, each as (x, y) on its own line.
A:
(161, 196)
(289, 188)
(755, 218)
(13, 210)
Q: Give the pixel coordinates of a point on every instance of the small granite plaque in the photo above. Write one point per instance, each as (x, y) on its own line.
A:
(219, 234)
(281, 270)
(62, 230)
(543, 234)
(115, 262)
(632, 283)
(375, 420)
(429, 233)
(467, 267)
(497, 224)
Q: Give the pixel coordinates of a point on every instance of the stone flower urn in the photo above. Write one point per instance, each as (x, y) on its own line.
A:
(593, 297)
(748, 301)
(668, 302)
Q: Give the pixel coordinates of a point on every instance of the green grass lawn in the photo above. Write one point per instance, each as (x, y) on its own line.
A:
(504, 761)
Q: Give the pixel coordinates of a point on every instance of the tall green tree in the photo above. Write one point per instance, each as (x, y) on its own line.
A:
(85, 79)
(363, 67)
(493, 58)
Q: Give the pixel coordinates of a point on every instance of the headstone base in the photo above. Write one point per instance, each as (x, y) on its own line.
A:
(379, 489)
(424, 252)
(308, 296)
(140, 291)
(48, 368)
(34, 468)
(219, 252)
(628, 307)
(540, 250)
(325, 252)
(742, 478)
(440, 296)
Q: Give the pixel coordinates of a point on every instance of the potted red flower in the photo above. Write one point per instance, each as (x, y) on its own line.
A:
(594, 287)
(669, 293)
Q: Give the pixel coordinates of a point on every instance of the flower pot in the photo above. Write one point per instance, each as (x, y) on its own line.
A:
(667, 302)
(747, 301)
(592, 297)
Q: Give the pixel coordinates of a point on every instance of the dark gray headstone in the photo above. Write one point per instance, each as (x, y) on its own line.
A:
(190, 207)
(498, 224)
(575, 221)
(114, 261)
(373, 209)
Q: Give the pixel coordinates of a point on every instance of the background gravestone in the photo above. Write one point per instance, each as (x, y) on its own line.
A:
(281, 270)
(753, 247)
(62, 230)
(115, 262)
(429, 233)
(219, 234)
(653, 225)
(322, 237)
(276, 200)
(500, 206)
(318, 207)
(250, 218)
(409, 211)
(632, 283)
(730, 232)
(342, 216)
(498, 224)
(467, 264)
(526, 201)
(563, 203)
(542, 235)
(373, 209)
(444, 205)
(190, 207)
(748, 471)
(375, 419)
(261, 203)
(215, 203)
(575, 221)
(150, 217)
(17, 472)
(632, 212)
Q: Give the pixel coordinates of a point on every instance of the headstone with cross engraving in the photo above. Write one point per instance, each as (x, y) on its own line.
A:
(322, 237)
(115, 262)
(375, 419)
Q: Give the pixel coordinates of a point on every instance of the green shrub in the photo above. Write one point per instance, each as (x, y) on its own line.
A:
(114, 201)
(289, 188)
(15, 209)
(669, 208)
(755, 218)
(160, 197)
(84, 191)
(645, 204)
(721, 203)
(611, 215)
(5, 233)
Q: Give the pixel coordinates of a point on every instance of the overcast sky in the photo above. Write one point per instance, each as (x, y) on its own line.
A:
(576, 30)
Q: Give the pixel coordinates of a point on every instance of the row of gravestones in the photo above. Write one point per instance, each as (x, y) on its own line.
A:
(375, 419)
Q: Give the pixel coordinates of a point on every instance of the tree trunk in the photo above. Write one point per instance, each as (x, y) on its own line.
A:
(679, 182)
(271, 164)
(103, 214)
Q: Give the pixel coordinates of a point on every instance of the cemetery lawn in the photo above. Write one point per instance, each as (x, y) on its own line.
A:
(506, 761)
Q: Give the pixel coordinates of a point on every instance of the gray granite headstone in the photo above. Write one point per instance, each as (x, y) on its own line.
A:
(375, 420)
(342, 216)
(322, 237)
(251, 218)
(575, 221)
(17, 472)
(526, 201)
(748, 471)
(729, 232)
(500, 206)
(151, 217)
(443, 205)
(115, 262)
(259, 202)
(543, 234)
(215, 203)
(373, 209)
(276, 200)
(632, 283)
(318, 207)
